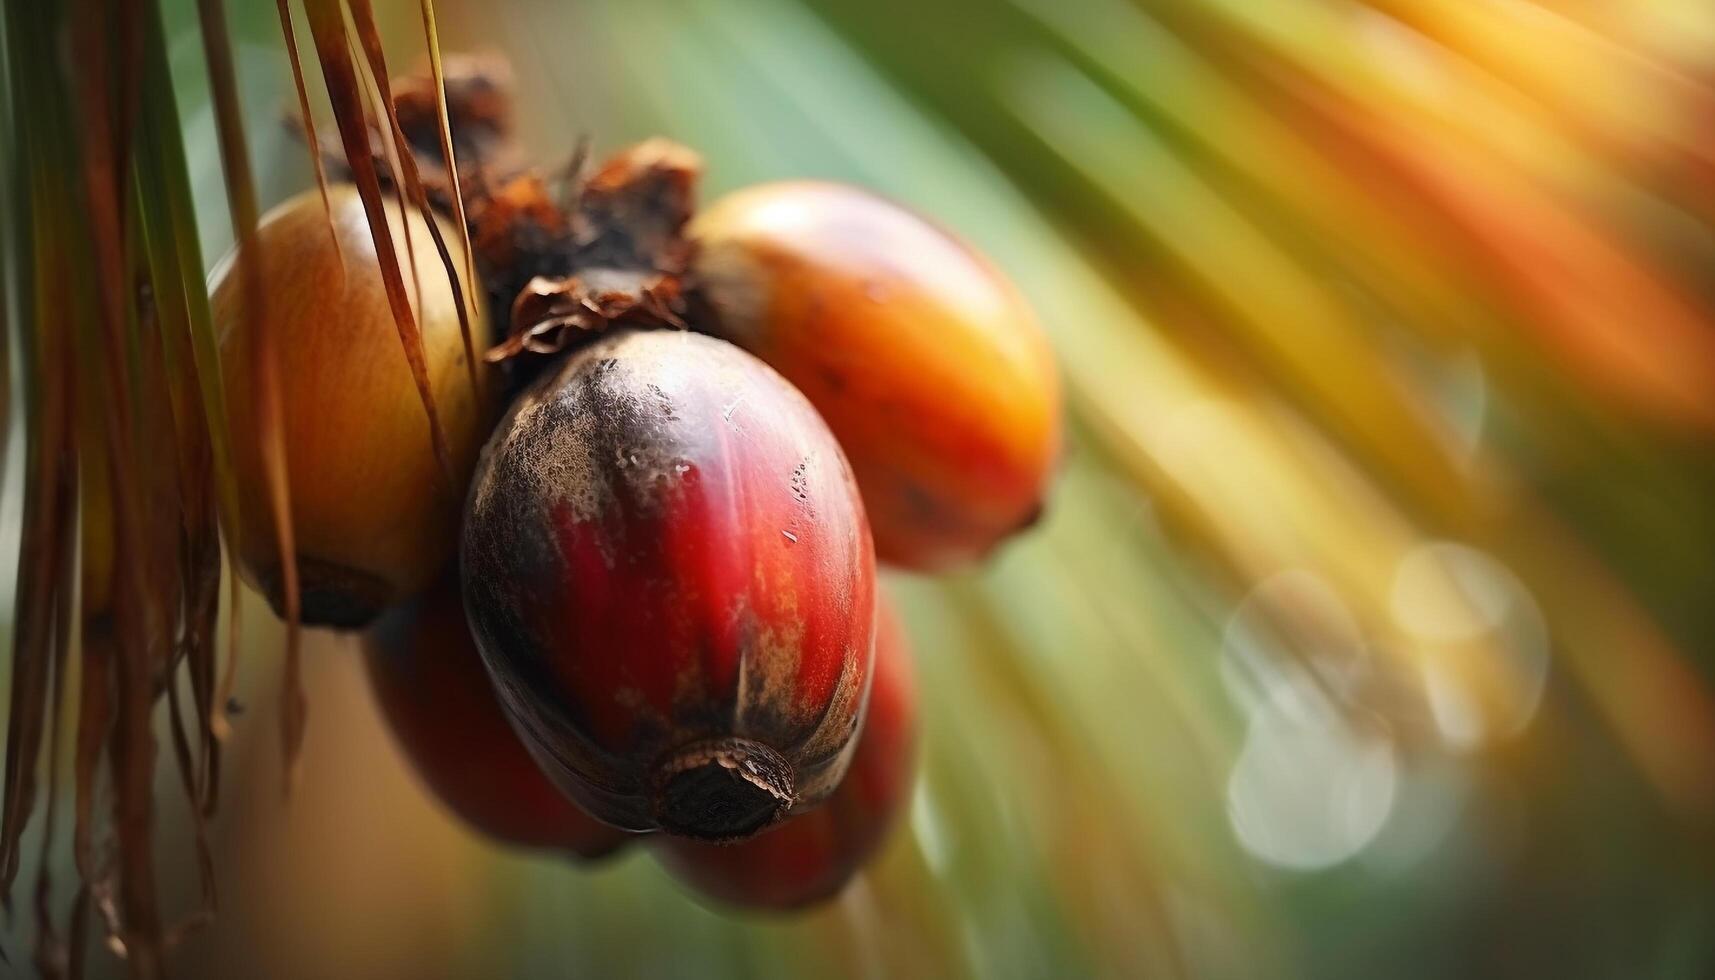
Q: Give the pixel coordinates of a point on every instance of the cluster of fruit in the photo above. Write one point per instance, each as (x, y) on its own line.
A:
(663, 618)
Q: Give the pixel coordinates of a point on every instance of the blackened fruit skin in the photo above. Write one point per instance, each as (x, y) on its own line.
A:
(436, 697)
(810, 858)
(670, 575)
(926, 362)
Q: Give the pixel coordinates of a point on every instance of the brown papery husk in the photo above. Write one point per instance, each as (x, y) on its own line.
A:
(609, 251)
(563, 256)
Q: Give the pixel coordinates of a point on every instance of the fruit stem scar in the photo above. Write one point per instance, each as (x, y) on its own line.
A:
(722, 789)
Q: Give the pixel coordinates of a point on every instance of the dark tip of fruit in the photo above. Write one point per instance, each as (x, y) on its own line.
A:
(330, 595)
(724, 789)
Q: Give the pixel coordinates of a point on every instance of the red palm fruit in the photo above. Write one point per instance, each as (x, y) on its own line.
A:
(374, 515)
(669, 572)
(809, 858)
(436, 696)
(925, 361)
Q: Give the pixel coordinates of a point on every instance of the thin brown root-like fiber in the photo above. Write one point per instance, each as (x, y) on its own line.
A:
(106, 148)
(376, 97)
(270, 435)
(444, 132)
(45, 513)
(49, 471)
(289, 34)
(404, 164)
(129, 491)
(340, 73)
(221, 724)
(50, 947)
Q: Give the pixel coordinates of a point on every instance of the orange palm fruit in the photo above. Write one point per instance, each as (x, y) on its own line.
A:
(373, 515)
(926, 362)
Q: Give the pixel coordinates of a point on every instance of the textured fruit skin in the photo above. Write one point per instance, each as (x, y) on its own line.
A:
(926, 363)
(664, 551)
(435, 694)
(810, 858)
(373, 517)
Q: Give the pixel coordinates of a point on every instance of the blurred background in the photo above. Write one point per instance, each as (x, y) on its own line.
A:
(1370, 630)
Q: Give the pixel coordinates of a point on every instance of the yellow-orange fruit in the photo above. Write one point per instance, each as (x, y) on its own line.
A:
(925, 361)
(373, 516)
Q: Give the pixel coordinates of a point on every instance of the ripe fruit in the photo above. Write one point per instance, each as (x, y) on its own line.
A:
(437, 699)
(926, 363)
(373, 516)
(809, 858)
(669, 572)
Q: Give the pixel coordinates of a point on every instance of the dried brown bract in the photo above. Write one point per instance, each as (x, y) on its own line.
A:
(561, 255)
(615, 253)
